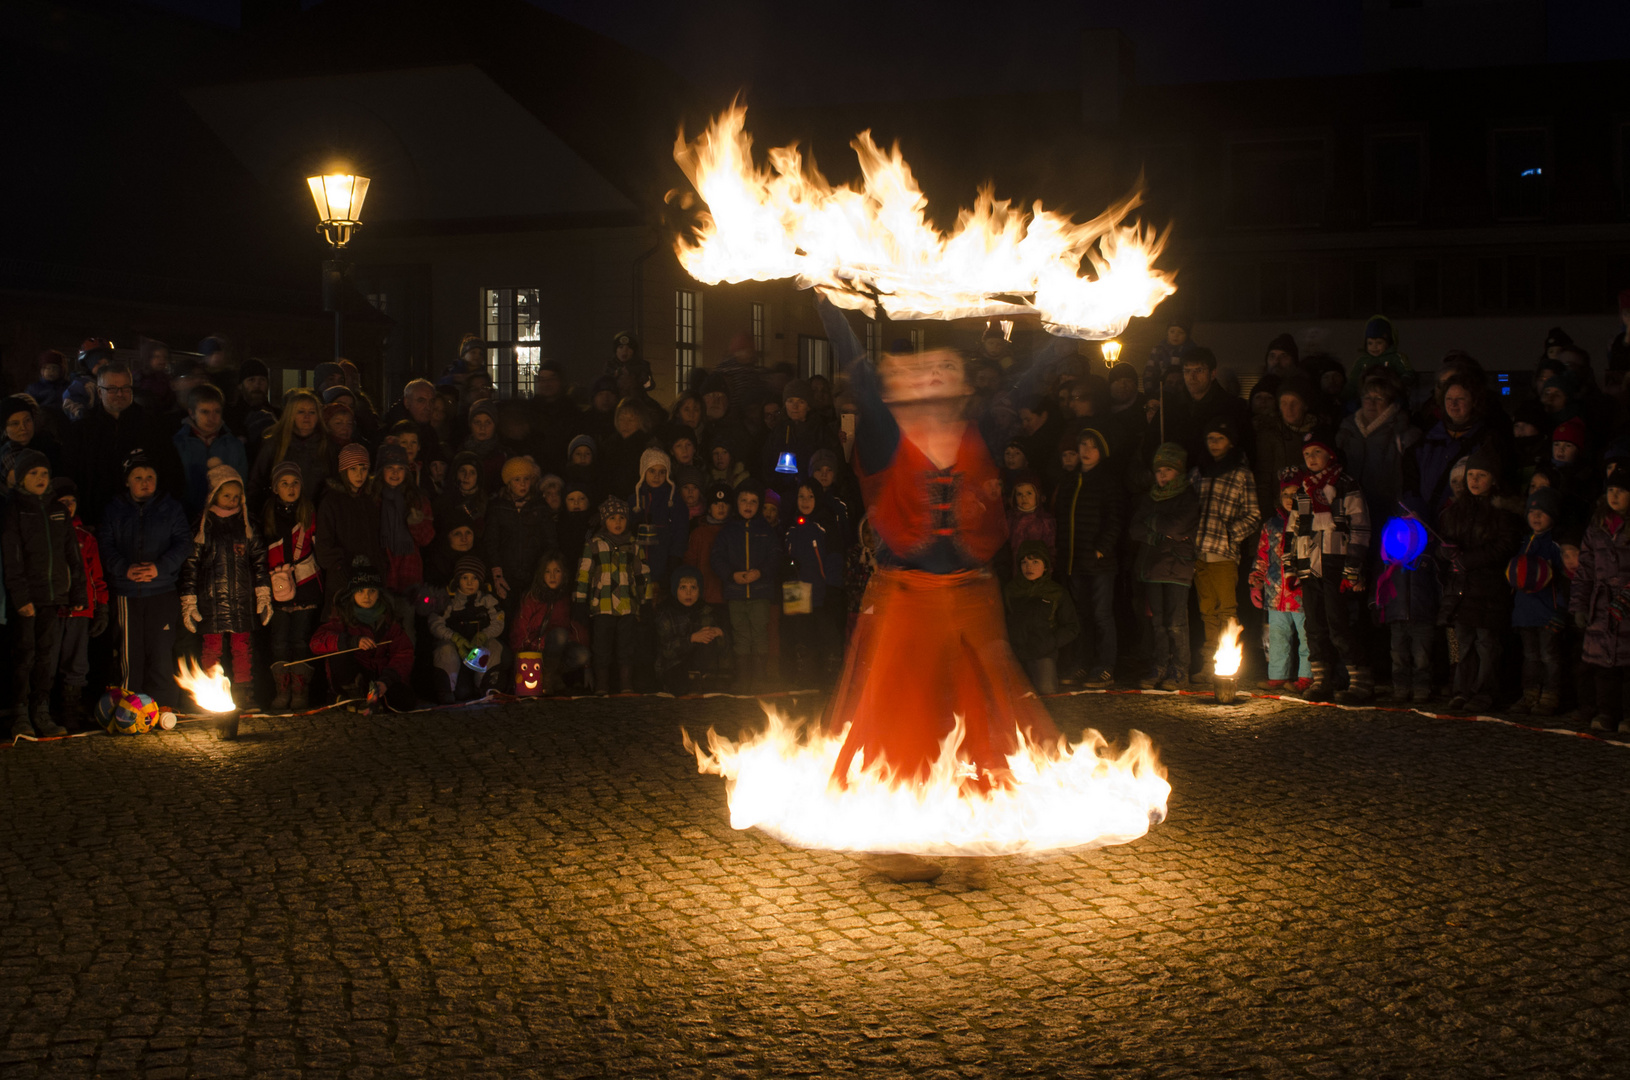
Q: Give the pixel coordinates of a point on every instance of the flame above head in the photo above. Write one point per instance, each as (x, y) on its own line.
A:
(875, 243)
(210, 689)
(1060, 796)
(1230, 652)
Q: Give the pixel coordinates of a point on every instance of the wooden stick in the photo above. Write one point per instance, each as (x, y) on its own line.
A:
(321, 656)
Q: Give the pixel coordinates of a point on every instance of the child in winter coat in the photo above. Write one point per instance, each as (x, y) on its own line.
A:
(691, 646)
(1041, 619)
(144, 540)
(1478, 534)
(520, 528)
(809, 630)
(1028, 519)
(747, 556)
(468, 618)
(347, 526)
(1600, 601)
(225, 585)
(1539, 605)
(660, 519)
(289, 526)
(1090, 511)
(45, 574)
(1280, 597)
(362, 619)
(464, 494)
(546, 625)
(1229, 514)
(1163, 526)
(1329, 530)
(87, 618)
(1407, 597)
(405, 520)
(613, 581)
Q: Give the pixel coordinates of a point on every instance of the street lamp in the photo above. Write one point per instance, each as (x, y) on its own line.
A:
(1112, 352)
(339, 198)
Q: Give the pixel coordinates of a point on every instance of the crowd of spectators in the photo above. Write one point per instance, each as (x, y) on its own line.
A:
(1378, 528)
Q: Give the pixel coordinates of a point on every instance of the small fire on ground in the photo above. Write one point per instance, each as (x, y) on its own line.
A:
(1226, 661)
(210, 689)
(1062, 795)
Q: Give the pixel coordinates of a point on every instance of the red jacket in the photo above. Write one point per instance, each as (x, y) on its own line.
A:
(538, 617)
(402, 572)
(699, 553)
(392, 653)
(96, 586)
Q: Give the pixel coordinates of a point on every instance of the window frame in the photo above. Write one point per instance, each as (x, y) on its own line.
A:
(513, 374)
(1546, 169)
(687, 337)
(1372, 218)
(1233, 140)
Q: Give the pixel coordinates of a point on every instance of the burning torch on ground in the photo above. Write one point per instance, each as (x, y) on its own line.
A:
(213, 692)
(1225, 663)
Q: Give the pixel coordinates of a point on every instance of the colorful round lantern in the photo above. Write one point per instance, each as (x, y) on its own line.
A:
(1403, 540)
(1528, 573)
(478, 659)
(123, 713)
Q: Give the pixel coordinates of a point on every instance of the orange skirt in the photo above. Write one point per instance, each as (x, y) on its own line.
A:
(927, 648)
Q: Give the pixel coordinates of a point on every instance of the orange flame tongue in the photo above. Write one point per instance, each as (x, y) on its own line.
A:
(1226, 661)
(210, 689)
(787, 221)
(1057, 797)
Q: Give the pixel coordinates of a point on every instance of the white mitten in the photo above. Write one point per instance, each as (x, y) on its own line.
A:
(263, 604)
(189, 614)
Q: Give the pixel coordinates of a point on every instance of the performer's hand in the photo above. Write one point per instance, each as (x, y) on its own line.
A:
(365, 642)
(26, 611)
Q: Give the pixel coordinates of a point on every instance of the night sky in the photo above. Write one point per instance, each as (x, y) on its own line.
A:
(788, 54)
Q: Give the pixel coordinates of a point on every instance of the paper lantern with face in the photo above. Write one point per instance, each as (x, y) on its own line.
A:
(529, 674)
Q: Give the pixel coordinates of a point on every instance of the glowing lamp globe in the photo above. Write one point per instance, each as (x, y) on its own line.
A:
(787, 464)
(339, 198)
(1528, 573)
(1403, 540)
(1111, 350)
(478, 659)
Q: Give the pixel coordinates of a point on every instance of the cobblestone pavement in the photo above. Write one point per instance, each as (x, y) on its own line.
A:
(552, 890)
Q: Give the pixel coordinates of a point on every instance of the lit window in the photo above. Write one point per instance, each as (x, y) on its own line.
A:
(514, 340)
(761, 322)
(687, 327)
(815, 358)
(1519, 174)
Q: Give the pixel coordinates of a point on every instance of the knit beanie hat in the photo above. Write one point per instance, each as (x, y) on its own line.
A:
(217, 475)
(771, 496)
(1314, 438)
(390, 454)
(327, 370)
(334, 393)
(285, 468)
(27, 461)
(330, 411)
(684, 573)
(1171, 456)
(469, 564)
(1379, 326)
(612, 507)
(1096, 436)
(1222, 426)
(1483, 461)
(797, 388)
(688, 474)
(1618, 477)
(1548, 500)
(581, 440)
(653, 457)
(822, 459)
(1122, 370)
(1571, 430)
(461, 459)
(363, 576)
(64, 486)
(253, 369)
(483, 406)
(1035, 549)
(136, 459)
(1285, 343)
(353, 454)
(720, 493)
(15, 404)
(519, 466)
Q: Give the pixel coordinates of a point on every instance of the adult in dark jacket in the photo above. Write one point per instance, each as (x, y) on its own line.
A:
(799, 434)
(1125, 423)
(109, 432)
(43, 572)
(416, 404)
(1373, 443)
(1463, 430)
(144, 540)
(347, 526)
(1205, 400)
(1279, 439)
(556, 419)
(1479, 532)
(1090, 509)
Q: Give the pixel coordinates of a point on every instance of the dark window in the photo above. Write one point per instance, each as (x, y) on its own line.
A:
(1276, 184)
(1395, 179)
(1364, 289)
(1275, 290)
(1520, 283)
(1426, 287)
(1167, 176)
(1491, 284)
(1397, 287)
(1520, 174)
(1553, 283)
(1459, 287)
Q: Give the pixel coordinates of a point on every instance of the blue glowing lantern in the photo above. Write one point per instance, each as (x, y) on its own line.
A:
(787, 464)
(1403, 540)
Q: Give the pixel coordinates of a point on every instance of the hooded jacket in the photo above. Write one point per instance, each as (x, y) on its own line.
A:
(1090, 509)
(347, 527)
(1041, 619)
(390, 659)
(748, 544)
(226, 567)
(41, 556)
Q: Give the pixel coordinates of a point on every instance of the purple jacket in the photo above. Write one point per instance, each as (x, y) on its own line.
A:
(1604, 574)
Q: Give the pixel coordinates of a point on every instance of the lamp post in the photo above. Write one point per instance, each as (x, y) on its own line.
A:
(339, 198)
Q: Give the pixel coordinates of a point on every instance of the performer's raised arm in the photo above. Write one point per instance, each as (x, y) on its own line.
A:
(877, 433)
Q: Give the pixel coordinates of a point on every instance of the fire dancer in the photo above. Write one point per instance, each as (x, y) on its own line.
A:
(930, 644)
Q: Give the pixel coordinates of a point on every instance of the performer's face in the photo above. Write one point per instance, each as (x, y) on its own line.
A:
(927, 376)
